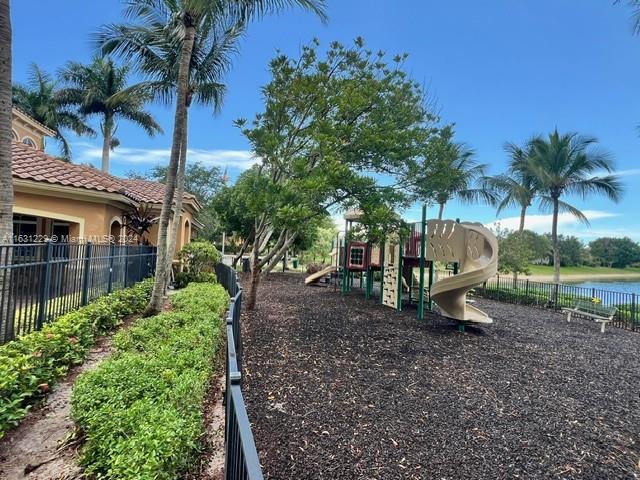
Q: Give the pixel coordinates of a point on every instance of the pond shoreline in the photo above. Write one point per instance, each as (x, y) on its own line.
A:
(581, 277)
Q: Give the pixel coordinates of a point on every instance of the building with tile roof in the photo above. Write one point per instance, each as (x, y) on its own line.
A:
(69, 202)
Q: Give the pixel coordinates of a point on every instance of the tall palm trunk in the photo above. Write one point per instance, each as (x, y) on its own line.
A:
(177, 211)
(107, 135)
(523, 212)
(441, 211)
(6, 180)
(157, 295)
(554, 240)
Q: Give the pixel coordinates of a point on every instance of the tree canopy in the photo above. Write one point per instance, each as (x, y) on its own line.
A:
(615, 252)
(343, 130)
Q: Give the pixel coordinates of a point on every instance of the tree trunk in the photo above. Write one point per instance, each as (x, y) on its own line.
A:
(255, 275)
(276, 258)
(157, 295)
(107, 132)
(243, 248)
(177, 209)
(554, 240)
(441, 211)
(523, 212)
(6, 179)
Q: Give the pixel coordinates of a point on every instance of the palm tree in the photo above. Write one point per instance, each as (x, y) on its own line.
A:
(635, 5)
(184, 20)
(40, 98)
(99, 89)
(210, 60)
(6, 178)
(517, 187)
(568, 165)
(463, 178)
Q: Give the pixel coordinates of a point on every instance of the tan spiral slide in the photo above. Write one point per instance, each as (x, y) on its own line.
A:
(475, 247)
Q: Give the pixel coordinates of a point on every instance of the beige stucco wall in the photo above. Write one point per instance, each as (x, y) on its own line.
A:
(87, 220)
(184, 235)
(22, 130)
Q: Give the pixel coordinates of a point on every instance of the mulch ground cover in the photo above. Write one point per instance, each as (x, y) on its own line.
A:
(339, 387)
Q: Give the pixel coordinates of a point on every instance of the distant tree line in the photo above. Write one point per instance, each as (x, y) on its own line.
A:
(520, 250)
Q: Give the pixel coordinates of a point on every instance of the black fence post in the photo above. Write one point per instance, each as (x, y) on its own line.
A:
(634, 311)
(126, 264)
(45, 284)
(112, 252)
(87, 273)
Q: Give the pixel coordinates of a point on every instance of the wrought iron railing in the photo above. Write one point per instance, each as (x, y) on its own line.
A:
(241, 456)
(558, 296)
(39, 282)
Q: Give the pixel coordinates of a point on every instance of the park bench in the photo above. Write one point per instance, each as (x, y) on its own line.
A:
(600, 313)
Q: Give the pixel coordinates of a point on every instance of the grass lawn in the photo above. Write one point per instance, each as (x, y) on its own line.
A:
(584, 270)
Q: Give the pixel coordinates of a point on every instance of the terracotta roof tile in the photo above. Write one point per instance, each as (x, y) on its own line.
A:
(32, 164)
(148, 191)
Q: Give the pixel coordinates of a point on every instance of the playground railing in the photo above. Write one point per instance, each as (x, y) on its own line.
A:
(241, 456)
(557, 296)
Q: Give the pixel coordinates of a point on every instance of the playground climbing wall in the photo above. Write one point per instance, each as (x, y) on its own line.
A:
(390, 279)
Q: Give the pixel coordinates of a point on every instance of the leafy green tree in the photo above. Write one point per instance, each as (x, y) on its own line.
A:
(572, 251)
(331, 124)
(515, 255)
(568, 165)
(539, 245)
(183, 21)
(204, 182)
(41, 99)
(615, 252)
(317, 247)
(518, 250)
(100, 89)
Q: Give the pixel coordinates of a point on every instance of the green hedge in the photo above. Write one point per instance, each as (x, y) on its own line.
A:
(31, 364)
(141, 410)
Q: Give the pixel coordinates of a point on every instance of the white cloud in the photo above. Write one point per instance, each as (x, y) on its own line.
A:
(628, 173)
(542, 223)
(241, 159)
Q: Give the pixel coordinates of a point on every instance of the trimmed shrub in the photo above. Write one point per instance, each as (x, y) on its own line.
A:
(199, 260)
(183, 279)
(141, 410)
(31, 364)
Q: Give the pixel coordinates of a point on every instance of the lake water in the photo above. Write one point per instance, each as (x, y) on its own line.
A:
(632, 286)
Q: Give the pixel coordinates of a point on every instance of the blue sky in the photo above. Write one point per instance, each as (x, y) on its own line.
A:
(500, 69)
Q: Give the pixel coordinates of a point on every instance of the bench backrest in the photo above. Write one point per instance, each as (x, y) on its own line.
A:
(595, 308)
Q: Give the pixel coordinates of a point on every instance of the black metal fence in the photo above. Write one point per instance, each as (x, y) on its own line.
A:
(241, 456)
(39, 282)
(558, 296)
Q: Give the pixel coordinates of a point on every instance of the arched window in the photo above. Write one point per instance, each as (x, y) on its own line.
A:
(186, 236)
(14, 135)
(29, 141)
(116, 231)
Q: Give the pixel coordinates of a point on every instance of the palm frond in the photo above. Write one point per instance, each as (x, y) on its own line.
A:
(610, 186)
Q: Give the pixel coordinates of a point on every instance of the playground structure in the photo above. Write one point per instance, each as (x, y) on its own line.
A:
(470, 248)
